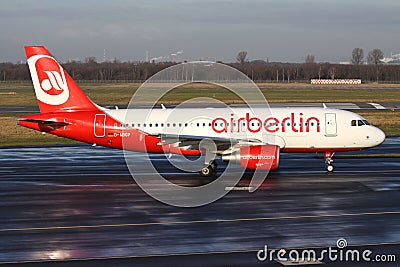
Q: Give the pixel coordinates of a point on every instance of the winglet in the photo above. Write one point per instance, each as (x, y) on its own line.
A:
(325, 107)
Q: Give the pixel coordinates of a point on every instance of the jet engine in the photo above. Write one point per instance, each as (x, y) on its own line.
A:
(258, 157)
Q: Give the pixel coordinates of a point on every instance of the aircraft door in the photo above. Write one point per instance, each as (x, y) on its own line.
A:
(330, 124)
(99, 125)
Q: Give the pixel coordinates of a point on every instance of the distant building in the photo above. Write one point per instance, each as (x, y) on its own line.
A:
(393, 59)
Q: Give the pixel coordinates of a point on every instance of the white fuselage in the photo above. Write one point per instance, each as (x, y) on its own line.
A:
(293, 129)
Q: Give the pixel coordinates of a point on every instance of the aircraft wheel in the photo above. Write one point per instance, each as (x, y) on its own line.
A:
(206, 171)
(329, 168)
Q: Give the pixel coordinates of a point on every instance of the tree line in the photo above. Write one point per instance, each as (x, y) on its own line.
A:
(304, 72)
(257, 70)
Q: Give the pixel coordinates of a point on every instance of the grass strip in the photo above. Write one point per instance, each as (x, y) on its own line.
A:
(120, 94)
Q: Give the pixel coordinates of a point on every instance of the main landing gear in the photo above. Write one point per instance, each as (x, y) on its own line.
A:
(328, 161)
(208, 148)
(209, 170)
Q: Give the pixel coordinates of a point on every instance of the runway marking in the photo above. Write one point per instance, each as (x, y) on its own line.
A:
(199, 221)
(377, 106)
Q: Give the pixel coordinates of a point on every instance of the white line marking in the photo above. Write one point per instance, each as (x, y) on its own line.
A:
(377, 106)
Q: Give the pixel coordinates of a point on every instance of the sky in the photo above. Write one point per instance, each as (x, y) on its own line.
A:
(274, 30)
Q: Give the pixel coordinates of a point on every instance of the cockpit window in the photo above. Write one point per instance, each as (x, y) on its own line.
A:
(359, 122)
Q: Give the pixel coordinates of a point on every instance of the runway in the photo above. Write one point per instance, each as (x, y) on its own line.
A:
(69, 205)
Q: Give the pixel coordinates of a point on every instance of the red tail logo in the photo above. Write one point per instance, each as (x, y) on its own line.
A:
(49, 82)
(54, 88)
(54, 81)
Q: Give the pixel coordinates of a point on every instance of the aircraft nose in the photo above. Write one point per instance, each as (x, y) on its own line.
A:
(379, 136)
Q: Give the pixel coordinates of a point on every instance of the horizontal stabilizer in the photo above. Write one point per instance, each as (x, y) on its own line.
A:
(43, 122)
(43, 125)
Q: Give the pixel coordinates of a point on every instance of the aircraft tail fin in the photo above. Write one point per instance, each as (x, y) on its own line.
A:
(54, 88)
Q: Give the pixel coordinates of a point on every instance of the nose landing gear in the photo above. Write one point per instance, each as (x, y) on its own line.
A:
(328, 161)
(209, 170)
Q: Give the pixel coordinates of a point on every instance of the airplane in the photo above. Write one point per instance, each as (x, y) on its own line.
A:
(237, 133)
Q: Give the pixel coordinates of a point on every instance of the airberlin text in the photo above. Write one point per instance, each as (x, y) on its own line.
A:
(294, 123)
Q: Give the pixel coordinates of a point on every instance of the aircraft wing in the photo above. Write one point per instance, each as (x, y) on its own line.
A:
(192, 142)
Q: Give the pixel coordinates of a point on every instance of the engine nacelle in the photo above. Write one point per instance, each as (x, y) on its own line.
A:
(260, 157)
